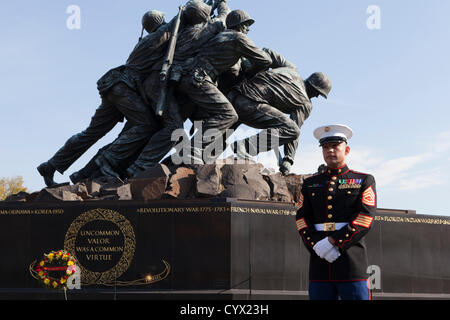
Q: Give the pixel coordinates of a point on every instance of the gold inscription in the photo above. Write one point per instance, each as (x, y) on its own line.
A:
(99, 233)
(98, 257)
(284, 212)
(98, 241)
(98, 249)
(217, 210)
(184, 210)
(31, 211)
(413, 220)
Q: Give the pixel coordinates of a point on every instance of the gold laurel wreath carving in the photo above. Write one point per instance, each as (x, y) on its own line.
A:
(146, 280)
(90, 277)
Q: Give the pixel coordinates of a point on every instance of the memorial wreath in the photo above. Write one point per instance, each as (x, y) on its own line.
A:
(60, 263)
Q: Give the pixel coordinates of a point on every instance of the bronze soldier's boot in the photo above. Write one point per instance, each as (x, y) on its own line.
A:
(47, 170)
(106, 168)
(133, 170)
(76, 177)
(285, 167)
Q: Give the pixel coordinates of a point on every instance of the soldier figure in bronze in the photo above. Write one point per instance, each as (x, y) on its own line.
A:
(120, 91)
(200, 74)
(262, 101)
(198, 30)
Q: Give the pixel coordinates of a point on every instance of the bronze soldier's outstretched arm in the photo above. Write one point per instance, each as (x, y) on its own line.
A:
(222, 9)
(278, 61)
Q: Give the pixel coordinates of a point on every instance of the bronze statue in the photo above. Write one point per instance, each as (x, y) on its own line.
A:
(197, 66)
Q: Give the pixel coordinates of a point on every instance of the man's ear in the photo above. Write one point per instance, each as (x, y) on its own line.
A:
(347, 150)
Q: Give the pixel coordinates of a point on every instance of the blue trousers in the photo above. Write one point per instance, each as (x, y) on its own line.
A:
(346, 290)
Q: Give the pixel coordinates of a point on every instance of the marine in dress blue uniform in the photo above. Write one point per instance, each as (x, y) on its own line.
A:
(336, 212)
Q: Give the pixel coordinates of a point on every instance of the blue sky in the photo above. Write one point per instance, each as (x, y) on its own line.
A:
(390, 85)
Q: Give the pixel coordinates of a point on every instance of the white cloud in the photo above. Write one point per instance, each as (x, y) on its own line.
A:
(423, 180)
(307, 159)
(442, 142)
(364, 159)
(395, 172)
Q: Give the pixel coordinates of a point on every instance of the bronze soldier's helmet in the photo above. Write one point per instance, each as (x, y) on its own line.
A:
(236, 17)
(196, 11)
(152, 20)
(321, 83)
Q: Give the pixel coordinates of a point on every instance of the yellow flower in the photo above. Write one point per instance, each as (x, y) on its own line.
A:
(70, 263)
(46, 280)
(42, 263)
(50, 256)
(41, 273)
(62, 280)
(68, 272)
(55, 284)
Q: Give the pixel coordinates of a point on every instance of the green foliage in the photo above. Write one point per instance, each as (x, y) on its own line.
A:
(10, 186)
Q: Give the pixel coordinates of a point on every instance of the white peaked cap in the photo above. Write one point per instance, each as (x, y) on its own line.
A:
(333, 133)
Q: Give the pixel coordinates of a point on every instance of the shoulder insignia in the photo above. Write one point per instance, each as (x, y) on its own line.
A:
(300, 201)
(301, 224)
(363, 220)
(368, 197)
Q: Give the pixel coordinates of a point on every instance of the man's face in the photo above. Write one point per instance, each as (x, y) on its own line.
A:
(312, 92)
(335, 153)
(244, 28)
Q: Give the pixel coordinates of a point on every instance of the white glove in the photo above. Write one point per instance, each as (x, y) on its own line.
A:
(332, 255)
(323, 247)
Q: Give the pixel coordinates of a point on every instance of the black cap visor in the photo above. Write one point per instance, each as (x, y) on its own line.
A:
(331, 139)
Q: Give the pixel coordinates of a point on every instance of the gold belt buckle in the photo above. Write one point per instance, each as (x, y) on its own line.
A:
(329, 226)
